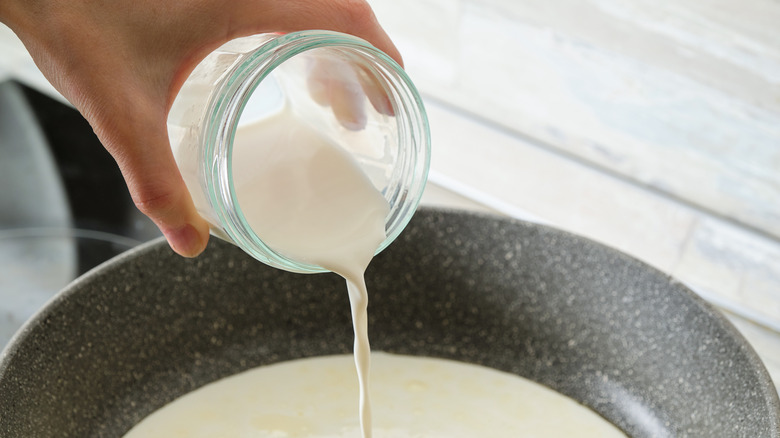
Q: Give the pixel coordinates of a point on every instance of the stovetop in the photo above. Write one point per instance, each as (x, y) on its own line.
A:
(64, 207)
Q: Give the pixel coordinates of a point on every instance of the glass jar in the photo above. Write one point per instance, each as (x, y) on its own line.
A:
(372, 110)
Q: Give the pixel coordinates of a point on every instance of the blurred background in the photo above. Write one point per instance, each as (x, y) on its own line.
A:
(650, 126)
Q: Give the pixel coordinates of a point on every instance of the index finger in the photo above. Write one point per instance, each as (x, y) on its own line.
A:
(354, 17)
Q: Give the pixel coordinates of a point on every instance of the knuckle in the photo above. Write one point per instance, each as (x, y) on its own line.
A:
(358, 12)
(154, 202)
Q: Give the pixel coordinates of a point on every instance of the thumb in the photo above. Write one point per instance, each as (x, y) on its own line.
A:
(158, 190)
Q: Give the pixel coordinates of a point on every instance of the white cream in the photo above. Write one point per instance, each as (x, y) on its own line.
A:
(305, 196)
(419, 398)
(308, 199)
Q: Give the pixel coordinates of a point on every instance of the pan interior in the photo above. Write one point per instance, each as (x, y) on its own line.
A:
(585, 320)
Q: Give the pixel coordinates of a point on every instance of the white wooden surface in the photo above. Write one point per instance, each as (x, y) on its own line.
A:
(679, 96)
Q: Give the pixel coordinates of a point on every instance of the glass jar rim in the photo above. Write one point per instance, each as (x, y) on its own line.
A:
(227, 105)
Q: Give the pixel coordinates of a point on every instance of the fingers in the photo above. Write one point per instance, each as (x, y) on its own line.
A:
(158, 190)
(344, 87)
(333, 82)
(354, 17)
(374, 90)
(318, 83)
(347, 104)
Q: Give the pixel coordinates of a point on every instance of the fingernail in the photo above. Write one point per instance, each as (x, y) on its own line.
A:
(184, 241)
(353, 123)
(383, 105)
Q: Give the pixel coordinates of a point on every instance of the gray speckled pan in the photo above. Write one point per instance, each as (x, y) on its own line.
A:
(586, 320)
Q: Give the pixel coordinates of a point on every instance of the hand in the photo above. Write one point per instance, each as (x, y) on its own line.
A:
(121, 64)
(343, 87)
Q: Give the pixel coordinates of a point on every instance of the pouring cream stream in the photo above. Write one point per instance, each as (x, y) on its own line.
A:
(308, 199)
